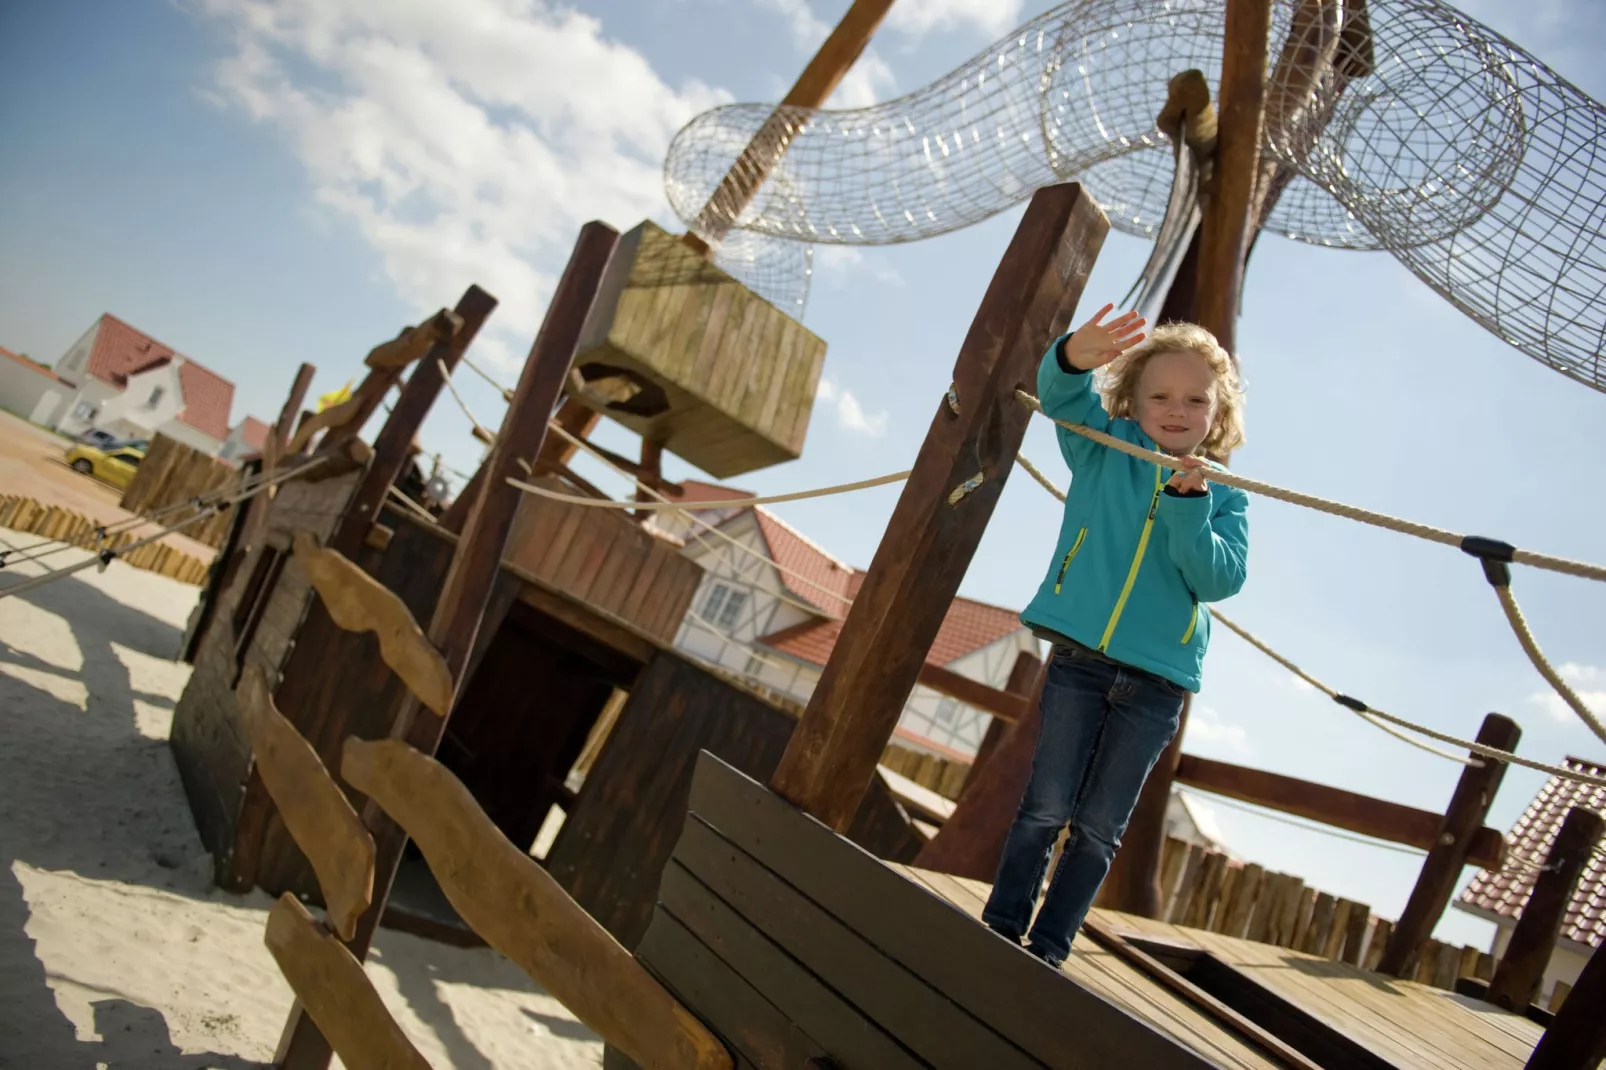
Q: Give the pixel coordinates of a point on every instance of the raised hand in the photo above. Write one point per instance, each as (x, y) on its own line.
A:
(1191, 481)
(1095, 344)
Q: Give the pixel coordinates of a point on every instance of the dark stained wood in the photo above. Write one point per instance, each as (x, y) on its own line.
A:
(392, 445)
(1522, 968)
(1001, 704)
(1363, 814)
(983, 975)
(1577, 1035)
(929, 542)
(224, 566)
(1022, 681)
(651, 471)
(972, 839)
(475, 563)
(1441, 870)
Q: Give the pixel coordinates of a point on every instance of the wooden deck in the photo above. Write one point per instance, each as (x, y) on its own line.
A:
(1402, 1024)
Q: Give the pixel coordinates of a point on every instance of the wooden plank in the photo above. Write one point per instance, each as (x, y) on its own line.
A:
(311, 804)
(1363, 814)
(1522, 968)
(852, 1037)
(506, 897)
(759, 1032)
(1451, 848)
(335, 992)
(1242, 907)
(918, 1016)
(1355, 933)
(1577, 1036)
(974, 967)
(1001, 704)
(358, 602)
(415, 342)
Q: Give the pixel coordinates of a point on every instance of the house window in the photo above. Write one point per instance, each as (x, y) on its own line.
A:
(84, 410)
(733, 605)
(715, 599)
(754, 667)
(156, 397)
(946, 710)
(254, 601)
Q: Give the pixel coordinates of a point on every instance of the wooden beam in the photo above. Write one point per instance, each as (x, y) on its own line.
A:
(1361, 814)
(358, 602)
(1522, 968)
(1023, 676)
(506, 897)
(1577, 1035)
(649, 471)
(332, 987)
(1441, 870)
(414, 343)
(811, 90)
(391, 445)
(1224, 229)
(315, 811)
(943, 510)
(1001, 704)
(474, 567)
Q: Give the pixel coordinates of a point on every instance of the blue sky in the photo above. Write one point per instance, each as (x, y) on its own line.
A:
(261, 191)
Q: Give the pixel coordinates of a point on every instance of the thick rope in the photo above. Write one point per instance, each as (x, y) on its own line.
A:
(446, 377)
(1530, 646)
(1581, 569)
(735, 503)
(506, 392)
(1376, 718)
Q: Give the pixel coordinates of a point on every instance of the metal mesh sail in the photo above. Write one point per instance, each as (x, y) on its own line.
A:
(1400, 125)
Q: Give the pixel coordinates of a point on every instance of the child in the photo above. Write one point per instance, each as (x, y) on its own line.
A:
(1140, 547)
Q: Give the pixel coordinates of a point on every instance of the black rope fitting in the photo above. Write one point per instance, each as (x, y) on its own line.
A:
(3, 555)
(1353, 703)
(1496, 557)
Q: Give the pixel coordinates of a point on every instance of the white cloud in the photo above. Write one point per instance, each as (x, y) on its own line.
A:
(868, 81)
(991, 17)
(1205, 725)
(849, 413)
(1588, 683)
(466, 142)
(837, 262)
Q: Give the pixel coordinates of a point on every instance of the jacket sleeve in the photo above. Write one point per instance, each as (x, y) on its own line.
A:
(1210, 548)
(1068, 395)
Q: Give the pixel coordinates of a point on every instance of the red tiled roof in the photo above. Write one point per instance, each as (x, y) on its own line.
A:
(30, 364)
(968, 627)
(825, 581)
(1504, 893)
(254, 433)
(693, 490)
(121, 350)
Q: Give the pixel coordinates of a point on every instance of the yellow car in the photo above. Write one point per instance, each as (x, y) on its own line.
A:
(114, 463)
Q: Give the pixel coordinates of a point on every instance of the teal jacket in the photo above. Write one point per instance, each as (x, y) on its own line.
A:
(1134, 560)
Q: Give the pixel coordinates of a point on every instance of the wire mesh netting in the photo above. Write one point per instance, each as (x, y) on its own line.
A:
(1395, 124)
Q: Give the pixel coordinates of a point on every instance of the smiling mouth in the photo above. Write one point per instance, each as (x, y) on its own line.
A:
(1172, 429)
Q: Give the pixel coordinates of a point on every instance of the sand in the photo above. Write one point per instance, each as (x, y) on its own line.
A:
(115, 949)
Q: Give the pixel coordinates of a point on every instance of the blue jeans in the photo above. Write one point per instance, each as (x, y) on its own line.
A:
(1104, 726)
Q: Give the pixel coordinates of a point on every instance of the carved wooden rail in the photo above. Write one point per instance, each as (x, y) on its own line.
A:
(358, 602)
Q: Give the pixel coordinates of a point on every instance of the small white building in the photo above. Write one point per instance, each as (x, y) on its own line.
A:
(127, 383)
(1500, 897)
(777, 625)
(31, 390)
(246, 439)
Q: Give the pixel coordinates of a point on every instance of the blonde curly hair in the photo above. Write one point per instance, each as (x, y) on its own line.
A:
(1119, 384)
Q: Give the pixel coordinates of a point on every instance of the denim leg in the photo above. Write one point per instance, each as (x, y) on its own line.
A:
(1141, 719)
(1072, 716)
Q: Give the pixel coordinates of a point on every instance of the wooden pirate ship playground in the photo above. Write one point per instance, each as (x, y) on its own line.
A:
(386, 702)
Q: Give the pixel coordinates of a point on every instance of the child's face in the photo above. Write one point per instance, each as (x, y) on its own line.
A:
(1176, 400)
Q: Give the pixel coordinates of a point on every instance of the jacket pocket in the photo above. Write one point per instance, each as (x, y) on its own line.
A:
(1193, 623)
(1069, 555)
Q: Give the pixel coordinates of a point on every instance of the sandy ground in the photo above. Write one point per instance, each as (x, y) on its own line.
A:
(115, 949)
(31, 464)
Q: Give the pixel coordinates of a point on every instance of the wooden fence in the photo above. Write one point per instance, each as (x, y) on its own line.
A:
(172, 473)
(942, 775)
(1205, 889)
(63, 525)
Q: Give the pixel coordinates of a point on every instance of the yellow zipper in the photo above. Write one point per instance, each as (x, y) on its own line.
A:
(1193, 622)
(1137, 560)
(1075, 546)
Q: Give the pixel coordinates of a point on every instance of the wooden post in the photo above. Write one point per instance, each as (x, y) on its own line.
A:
(1522, 968)
(943, 511)
(824, 72)
(392, 444)
(1442, 868)
(467, 587)
(1022, 681)
(1577, 1035)
(652, 466)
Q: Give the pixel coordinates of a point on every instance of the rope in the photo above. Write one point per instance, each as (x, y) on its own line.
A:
(506, 392)
(1581, 569)
(446, 377)
(1530, 646)
(735, 503)
(106, 557)
(1376, 718)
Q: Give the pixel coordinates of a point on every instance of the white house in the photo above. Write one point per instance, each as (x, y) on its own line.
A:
(1500, 897)
(126, 382)
(245, 439)
(31, 391)
(777, 625)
